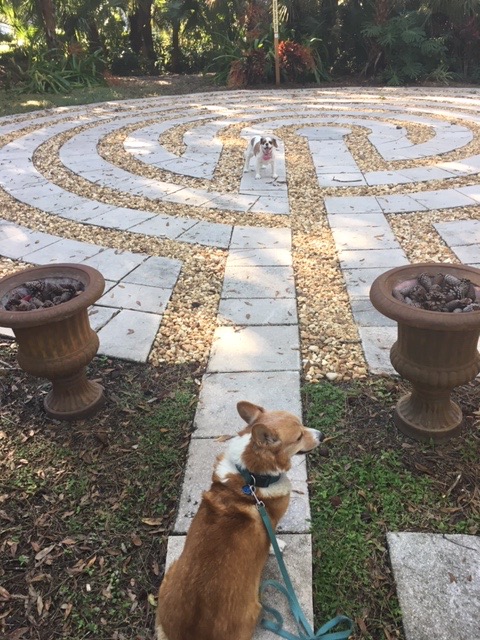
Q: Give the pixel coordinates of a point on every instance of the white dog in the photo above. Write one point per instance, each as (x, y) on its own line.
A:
(262, 148)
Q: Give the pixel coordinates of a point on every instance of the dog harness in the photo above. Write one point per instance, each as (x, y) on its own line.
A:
(256, 480)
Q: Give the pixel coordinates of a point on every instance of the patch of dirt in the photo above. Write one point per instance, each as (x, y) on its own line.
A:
(86, 507)
(452, 465)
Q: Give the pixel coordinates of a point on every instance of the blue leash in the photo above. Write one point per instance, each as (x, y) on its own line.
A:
(305, 631)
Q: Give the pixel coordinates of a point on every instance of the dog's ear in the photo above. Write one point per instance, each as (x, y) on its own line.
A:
(274, 142)
(263, 436)
(256, 148)
(249, 411)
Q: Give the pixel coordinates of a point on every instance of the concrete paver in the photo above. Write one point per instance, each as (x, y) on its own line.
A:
(272, 348)
(438, 584)
(216, 412)
(258, 311)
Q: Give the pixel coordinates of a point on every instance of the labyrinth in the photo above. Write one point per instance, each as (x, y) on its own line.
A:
(204, 263)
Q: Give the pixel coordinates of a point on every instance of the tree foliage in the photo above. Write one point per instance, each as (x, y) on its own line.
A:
(393, 41)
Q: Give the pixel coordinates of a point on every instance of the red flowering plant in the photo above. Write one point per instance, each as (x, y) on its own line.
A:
(299, 62)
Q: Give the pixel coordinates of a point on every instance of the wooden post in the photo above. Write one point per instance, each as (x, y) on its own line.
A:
(275, 40)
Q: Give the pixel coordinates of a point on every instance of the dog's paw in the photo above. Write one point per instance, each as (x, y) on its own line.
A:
(257, 176)
(275, 176)
(281, 544)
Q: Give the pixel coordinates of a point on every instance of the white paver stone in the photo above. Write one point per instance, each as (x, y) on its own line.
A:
(17, 241)
(437, 577)
(377, 342)
(359, 281)
(261, 238)
(160, 272)
(459, 232)
(259, 257)
(216, 412)
(372, 258)
(208, 234)
(62, 251)
(114, 264)
(258, 282)
(137, 297)
(258, 311)
(352, 204)
(100, 316)
(272, 348)
(129, 335)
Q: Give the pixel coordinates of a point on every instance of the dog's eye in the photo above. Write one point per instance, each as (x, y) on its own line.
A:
(300, 437)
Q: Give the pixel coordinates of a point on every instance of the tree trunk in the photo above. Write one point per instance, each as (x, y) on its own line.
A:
(47, 12)
(94, 38)
(176, 53)
(141, 38)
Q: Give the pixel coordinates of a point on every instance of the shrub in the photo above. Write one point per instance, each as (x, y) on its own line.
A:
(296, 61)
(126, 63)
(409, 54)
(251, 68)
(54, 71)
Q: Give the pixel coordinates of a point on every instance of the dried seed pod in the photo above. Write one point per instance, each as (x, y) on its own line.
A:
(47, 304)
(437, 279)
(24, 305)
(472, 307)
(462, 288)
(36, 287)
(418, 293)
(471, 293)
(452, 305)
(425, 281)
(37, 302)
(451, 280)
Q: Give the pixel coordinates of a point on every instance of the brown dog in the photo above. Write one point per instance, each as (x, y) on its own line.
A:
(211, 591)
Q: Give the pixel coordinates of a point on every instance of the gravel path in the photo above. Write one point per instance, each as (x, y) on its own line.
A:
(369, 175)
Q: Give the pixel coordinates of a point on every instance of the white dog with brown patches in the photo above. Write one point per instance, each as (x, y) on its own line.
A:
(212, 591)
(262, 148)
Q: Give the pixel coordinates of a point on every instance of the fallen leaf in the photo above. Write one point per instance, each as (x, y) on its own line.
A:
(136, 540)
(44, 552)
(152, 522)
(151, 600)
(39, 604)
(4, 595)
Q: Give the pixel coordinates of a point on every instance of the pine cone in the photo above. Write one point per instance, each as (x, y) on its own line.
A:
(425, 281)
(451, 280)
(418, 293)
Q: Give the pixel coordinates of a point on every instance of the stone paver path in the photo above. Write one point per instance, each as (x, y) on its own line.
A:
(255, 352)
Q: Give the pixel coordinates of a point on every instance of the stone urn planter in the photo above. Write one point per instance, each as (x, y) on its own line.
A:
(57, 342)
(436, 351)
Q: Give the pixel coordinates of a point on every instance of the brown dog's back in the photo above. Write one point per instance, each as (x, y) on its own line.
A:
(211, 591)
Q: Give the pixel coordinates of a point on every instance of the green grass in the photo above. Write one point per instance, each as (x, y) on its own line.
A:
(13, 101)
(364, 488)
